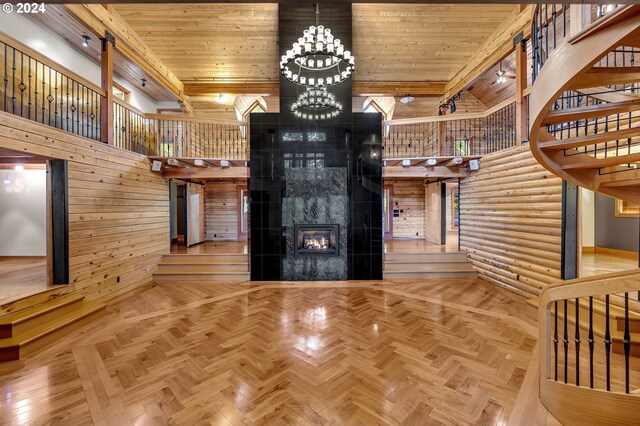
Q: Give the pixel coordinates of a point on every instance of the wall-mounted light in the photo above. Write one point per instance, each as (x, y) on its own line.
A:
(144, 82)
(406, 163)
(221, 98)
(432, 161)
(458, 160)
(19, 168)
(85, 41)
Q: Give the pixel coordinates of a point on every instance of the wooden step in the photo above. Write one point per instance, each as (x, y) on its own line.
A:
(428, 266)
(580, 113)
(187, 268)
(425, 257)
(582, 141)
(600, 163)
(443, 273)
(606, 76)
(26, 342)
(201, 276)
(21, 321)
(205, 258)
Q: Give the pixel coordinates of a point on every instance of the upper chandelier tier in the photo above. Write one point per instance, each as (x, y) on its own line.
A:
(317, 59)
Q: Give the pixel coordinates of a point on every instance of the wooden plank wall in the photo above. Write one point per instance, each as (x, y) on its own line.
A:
(221, 210)
(409, 197)
(510, 215)
(118, 209)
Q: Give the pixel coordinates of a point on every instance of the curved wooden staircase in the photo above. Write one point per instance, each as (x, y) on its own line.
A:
(594, 145)
(585, 128)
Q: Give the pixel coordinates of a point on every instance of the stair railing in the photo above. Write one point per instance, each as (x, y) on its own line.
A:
(451, 135)
(587, 373)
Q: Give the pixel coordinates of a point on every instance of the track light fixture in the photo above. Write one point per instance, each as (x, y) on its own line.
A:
(85, 41)
(144, 82)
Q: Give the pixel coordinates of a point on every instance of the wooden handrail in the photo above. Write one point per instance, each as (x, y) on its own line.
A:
(15, 44)
(194, 119)
(439, 118)
(607, 20)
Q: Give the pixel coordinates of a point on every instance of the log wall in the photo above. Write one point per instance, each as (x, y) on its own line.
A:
(510, 215)
(118, 209)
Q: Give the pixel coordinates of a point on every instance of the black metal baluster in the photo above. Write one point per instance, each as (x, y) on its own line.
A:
(565, 341)
(607, 343)
(591, 342)
(555, 339)
(627, 342)
(577, 342)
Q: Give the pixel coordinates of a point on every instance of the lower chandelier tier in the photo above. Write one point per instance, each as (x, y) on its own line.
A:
(316, 104)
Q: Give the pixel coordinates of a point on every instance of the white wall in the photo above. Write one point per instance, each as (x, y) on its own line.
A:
(588, 217)
(56, 48)
(23, 213)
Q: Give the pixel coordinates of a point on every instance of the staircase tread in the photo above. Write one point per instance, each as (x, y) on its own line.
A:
(40, 309)
(22, 339)
(557, 117)
(597, 163)
(582, 141)
(200, 273)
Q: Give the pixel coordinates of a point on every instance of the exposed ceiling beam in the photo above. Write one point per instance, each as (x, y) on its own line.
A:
(496, 48)
(360, 88)
(194, 88)
(399, 88)
(99, 20)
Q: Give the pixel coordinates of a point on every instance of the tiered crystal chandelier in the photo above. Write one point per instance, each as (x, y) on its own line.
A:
(317, 59)
(316, 104)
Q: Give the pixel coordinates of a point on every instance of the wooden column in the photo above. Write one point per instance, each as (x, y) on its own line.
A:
(106, 106)
(522, 131)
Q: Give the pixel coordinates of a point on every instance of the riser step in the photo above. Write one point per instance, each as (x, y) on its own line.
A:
(429, 266)
(24, 320)
(425, 257)
(212, 268)
(204, 276)
(205, 258)
(429, 275)
(25, 343)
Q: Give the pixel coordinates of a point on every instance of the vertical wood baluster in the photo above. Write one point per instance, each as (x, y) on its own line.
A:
(591, 342)
(607, 343)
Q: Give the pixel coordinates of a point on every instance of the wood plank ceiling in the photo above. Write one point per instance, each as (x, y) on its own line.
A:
(238, 42)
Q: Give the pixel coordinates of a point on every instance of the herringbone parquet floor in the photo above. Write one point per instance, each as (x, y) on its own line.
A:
(441, 352)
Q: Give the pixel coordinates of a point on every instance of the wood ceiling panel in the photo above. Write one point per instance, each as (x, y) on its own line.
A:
(238, 42)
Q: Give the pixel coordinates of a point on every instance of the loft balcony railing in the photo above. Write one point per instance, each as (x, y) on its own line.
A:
(35, 88)
(452, 135)
(51, 95)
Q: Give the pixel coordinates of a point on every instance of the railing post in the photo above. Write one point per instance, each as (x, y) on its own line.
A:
(522, 132)
(442, 135)
(106, 107)
(579, 18)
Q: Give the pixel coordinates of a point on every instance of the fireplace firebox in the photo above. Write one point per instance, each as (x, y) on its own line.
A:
(317, 240)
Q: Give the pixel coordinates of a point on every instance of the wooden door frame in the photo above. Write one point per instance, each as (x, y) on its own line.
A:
(389, 218)
(242, 236)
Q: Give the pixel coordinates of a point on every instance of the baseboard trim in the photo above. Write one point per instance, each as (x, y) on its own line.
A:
(588, 250)
(618, 253)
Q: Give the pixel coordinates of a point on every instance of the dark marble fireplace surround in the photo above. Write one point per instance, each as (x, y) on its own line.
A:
(320, 173)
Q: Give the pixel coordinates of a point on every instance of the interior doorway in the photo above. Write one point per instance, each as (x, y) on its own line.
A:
(387, 212)
(29, 217)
